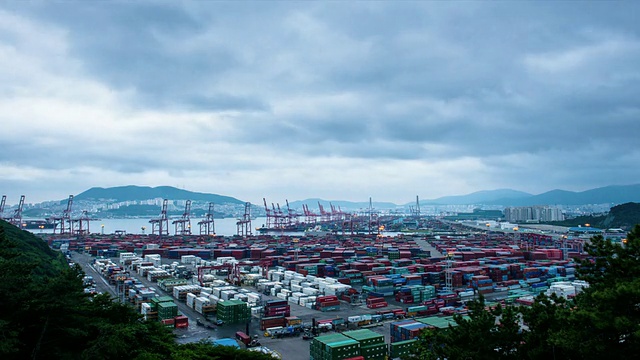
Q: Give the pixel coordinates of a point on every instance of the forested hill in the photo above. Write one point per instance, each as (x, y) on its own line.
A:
(132, 192)
(26, 249)
(47, 315)
(623, 216)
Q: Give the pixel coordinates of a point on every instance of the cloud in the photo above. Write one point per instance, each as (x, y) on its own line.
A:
(313, 99)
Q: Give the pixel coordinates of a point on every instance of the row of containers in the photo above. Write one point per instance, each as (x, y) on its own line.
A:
(349, 345)
(357, 344)
(203, 300)
(279, 250)
(228, 303)
(537, 276)
(150, 305)
(499, 269)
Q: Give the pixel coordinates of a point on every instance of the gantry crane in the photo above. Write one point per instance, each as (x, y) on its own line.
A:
(310, 217)
(161, 224)
(234, 270)
(269, 223)
(243, 226)
(279, 217)
(4, 201)
(207, 225)
(183, 225)
(324, 216)
(63, 223)
(80, 226)
(16, 218)
(292, 215)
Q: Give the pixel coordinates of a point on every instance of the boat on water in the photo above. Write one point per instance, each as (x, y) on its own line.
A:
(37, 224)
(292, 228)
(317, 231)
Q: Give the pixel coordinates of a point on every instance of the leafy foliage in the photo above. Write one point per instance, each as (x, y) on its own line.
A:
(51, 317)
(623, 216)
(486, 334)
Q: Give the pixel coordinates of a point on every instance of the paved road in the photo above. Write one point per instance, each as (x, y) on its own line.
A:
(424, 245)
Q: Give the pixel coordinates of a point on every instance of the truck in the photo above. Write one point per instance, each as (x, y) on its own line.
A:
(248, 341)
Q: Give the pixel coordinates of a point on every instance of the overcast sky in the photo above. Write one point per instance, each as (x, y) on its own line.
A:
(337, 100)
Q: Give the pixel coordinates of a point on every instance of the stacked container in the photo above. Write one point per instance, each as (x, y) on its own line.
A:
(277, 308)
(334, 347)
(233, 311)
(167, 310)
(401, 349)
(327, 303)
(372, 345)
(406, 330)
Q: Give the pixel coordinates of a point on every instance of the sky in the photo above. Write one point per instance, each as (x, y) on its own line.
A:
(333, 100)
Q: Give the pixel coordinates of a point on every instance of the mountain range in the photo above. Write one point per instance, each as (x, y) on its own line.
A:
(615, 194)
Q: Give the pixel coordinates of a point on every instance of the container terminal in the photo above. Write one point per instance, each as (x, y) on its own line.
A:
(344, 290)
(329, 296)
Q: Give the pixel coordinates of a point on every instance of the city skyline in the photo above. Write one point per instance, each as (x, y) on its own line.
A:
(324, 100)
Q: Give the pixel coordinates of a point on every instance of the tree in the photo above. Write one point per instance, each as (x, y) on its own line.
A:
(545, 329)
(606, 320)
(485, 334)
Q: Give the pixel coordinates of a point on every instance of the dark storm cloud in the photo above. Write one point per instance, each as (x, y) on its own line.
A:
(495, 86)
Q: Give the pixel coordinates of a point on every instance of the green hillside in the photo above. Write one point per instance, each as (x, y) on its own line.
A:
(623, 216)
(132, 192)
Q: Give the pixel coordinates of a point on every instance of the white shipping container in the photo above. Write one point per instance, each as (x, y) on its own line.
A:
(310, 304)
(241, 297)
(145, 308)
(199, 303)
(227, 294)
(310, 291)
(191, 297)
(282, 296)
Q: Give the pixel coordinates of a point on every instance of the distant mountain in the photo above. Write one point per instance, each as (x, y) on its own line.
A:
(479, 197)
(343, 205)
(615, 194)
(132, 192)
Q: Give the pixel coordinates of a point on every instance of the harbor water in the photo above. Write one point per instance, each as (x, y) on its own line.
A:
(225, 227)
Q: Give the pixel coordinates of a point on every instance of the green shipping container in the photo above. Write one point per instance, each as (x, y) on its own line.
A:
(401, 348)
(365, 337)
(167, 310)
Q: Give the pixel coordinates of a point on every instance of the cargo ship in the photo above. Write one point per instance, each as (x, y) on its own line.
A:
(36, 224)
(290, 228)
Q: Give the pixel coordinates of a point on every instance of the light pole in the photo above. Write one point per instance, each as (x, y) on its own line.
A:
(102, 226)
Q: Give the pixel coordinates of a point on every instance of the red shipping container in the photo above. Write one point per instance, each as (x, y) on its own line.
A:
(328, 303)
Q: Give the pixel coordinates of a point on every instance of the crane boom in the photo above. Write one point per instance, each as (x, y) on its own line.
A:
(4, 201)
